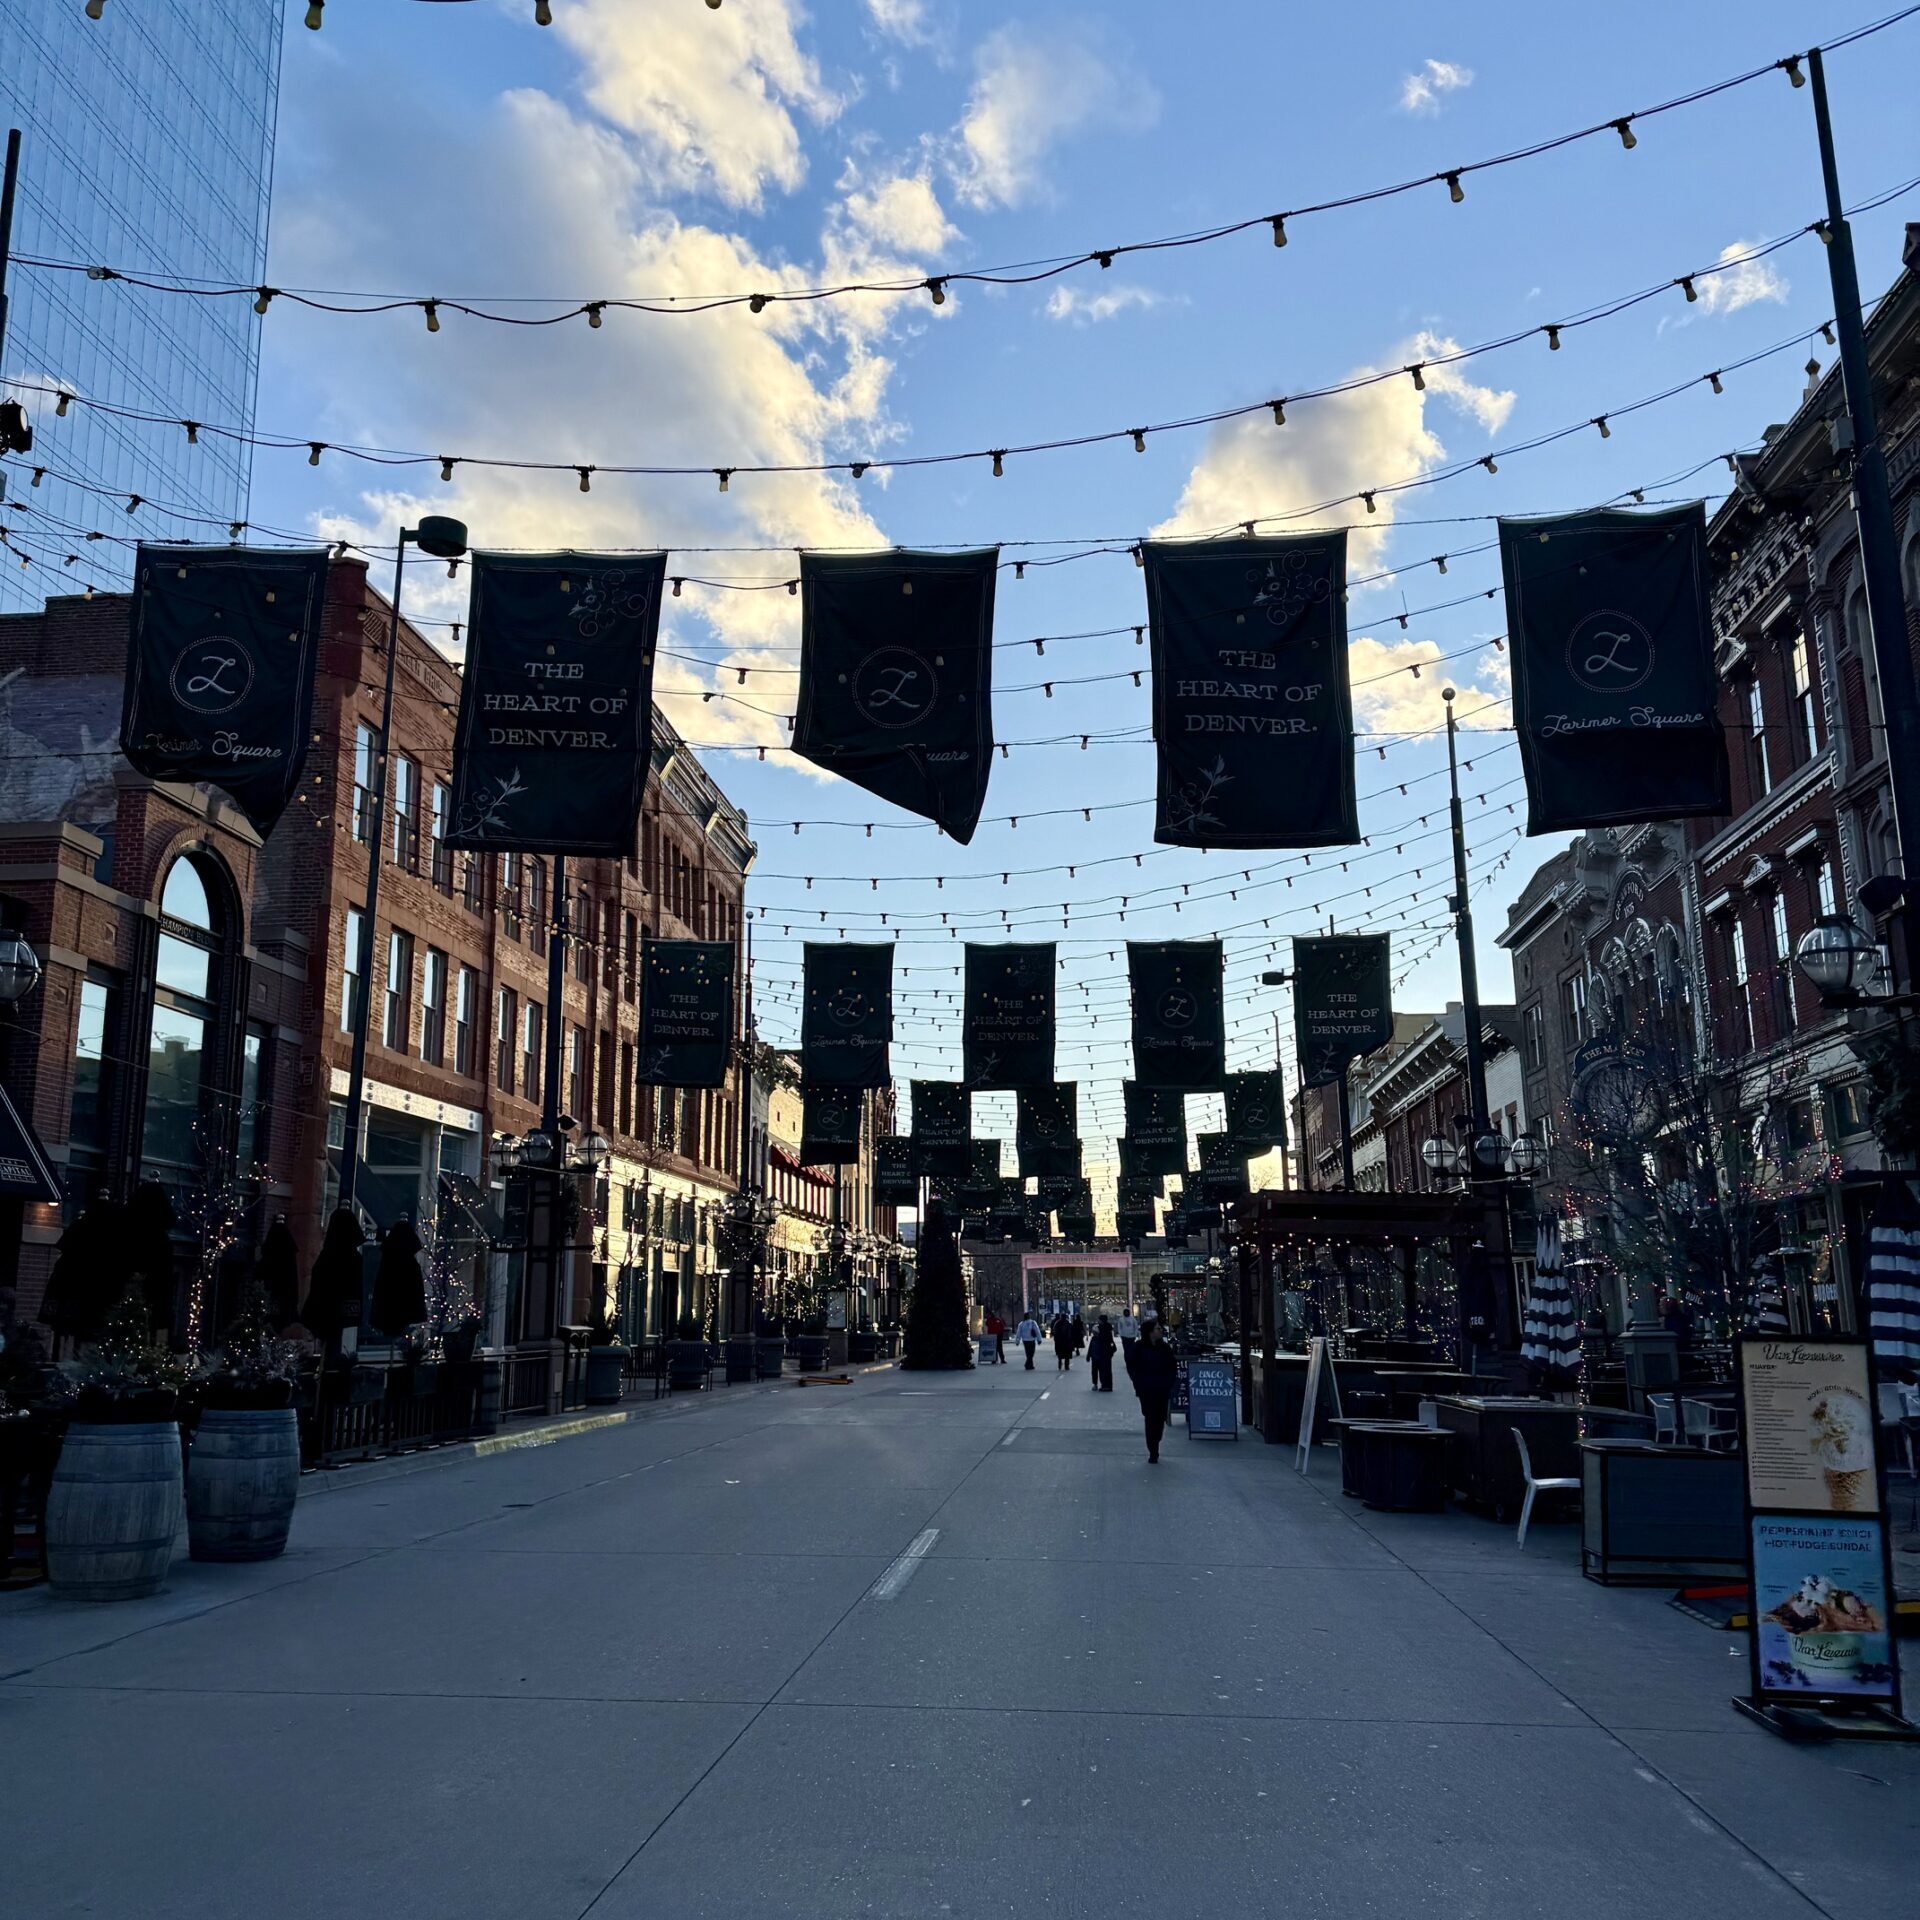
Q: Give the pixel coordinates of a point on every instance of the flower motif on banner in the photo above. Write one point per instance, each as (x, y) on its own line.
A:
(486, 809)
(604, 601)
(1190, 806)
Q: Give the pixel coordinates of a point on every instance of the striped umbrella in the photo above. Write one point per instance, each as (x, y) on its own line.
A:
(1768, 1307)
(1893, 1282)
(1550, 1342)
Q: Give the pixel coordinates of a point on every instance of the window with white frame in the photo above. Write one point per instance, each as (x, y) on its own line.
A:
(1806, 696)
(1757, 738)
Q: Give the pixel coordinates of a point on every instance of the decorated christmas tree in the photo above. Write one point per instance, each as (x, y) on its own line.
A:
(937, 1311)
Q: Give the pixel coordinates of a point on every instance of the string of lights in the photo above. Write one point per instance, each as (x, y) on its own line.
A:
(937, 285)
(198, 432)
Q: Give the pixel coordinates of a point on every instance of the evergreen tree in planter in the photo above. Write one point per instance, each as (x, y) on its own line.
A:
(937, 1313)
(244, 1470)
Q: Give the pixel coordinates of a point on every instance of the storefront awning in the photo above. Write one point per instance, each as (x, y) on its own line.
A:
(25, 1171)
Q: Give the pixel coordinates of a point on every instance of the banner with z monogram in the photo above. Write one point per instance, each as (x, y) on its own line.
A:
(846, 1018)
(1179, 1031)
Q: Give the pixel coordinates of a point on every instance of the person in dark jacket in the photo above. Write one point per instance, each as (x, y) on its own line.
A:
(1151, 1367)
(1062, 1343)
(1079, 1331)
(1100, 1355)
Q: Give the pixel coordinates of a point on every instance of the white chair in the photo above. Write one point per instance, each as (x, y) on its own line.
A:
(1710, 1426)
(1666, 1424)
(1535, 1486)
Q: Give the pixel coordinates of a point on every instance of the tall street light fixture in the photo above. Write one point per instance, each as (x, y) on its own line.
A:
(443, 539)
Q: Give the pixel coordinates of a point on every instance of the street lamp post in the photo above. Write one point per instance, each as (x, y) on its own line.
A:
(444, 539)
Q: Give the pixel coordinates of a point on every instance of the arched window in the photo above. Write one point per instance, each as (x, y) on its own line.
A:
(185, 1038)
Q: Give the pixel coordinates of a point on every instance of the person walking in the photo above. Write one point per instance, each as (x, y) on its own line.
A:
(1100, 1355)
(1028, 1334)
(1063, 1343)
(1079, 1332)
(1151, 1367)
(998, 1329)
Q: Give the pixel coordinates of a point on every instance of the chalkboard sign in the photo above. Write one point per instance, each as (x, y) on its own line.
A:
(1212, 1401)
(1178, 1404)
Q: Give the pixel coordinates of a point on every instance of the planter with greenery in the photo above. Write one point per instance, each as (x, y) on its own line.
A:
(863, 1344)
(687, 1356)
(606, 1366)
(243, 1472)
(114, 1506)
(810, 1349)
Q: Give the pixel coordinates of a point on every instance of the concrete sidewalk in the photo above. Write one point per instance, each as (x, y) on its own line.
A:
(921, 1645)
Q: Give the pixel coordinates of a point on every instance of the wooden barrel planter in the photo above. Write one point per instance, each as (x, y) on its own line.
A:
(606, 1373)
(243, 1477)
(771, 1355)
(114, 1508)
(812, 1352)
(687, 1363)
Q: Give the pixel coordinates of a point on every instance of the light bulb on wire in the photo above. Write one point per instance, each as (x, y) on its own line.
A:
(315, 13)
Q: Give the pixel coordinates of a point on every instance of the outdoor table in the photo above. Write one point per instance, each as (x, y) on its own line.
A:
(1660, 1514)
(1486, 1463)
(1396, 1465)
(1407, 1386)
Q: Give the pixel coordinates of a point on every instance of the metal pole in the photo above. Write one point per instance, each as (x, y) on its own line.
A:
(1346, 1133)
(557, 1235)
(1873, 515)
(1463, 933)
(741, 1288)
(8, 183)
(363, 1012)
(1246, 1333)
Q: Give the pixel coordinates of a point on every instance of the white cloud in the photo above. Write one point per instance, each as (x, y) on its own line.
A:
(1421, 92)
(1033, 88)
(903, 20)
(1088, 306)
(1744, 285)
(564, 201)
(1389, 697)
(709, 100)
(1330, 449)
(900, 211)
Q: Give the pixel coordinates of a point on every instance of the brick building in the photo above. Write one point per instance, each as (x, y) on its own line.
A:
(199, 984)
(1686, 931)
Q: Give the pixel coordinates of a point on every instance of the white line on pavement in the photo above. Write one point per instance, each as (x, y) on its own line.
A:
(1048, 1395)
(1013, 1434)
(903, 1569)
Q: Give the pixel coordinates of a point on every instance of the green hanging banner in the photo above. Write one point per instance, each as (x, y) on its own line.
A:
(1179, 1023)
(895, 1184)
(846, 1020)
(1047, 1132)
(942, 1129)
(1006, 1027)
(686, 1013)
(1157, 1126)
(980, 1185)
(1342, 1002)
(829, 1126)
(1256, 1112)
(1222, 1174)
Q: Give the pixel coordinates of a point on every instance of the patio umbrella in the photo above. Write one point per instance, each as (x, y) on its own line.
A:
(1893, 1282)
(1550, 1337)
(1769, 1305)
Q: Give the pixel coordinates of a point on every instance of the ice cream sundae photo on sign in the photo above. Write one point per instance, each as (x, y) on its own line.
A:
(1821, 1603)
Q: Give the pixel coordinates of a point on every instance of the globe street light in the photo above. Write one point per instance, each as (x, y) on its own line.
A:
(1835, 954)
(19, 967)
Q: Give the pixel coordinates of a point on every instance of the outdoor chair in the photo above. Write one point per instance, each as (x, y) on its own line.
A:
(1666, 1424)
(1711, 1426)
(1562, 1485)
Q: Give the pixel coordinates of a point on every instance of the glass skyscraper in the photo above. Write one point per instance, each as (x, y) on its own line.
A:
(147, 147)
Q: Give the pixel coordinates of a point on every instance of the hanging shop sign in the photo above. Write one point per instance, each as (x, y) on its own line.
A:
(1157, 1127)
(1179, 1031)
(896, 678)
(555, 733)
(846, 1021)
(942, 1129)
(686, 1013)
(1342, 1001)
(1252, 714)
(1007, 1022)
(220, 663)
(1615, 696)
(895, 1183)
(1047, 1129)
(1256, 1112)
(829, 1126)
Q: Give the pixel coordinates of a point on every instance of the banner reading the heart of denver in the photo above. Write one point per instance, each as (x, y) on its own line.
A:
(1157, 1127)
(896, 677)
(686, 1013)
(1179, 1034)
(220, 665)
(895, 1184)
(1006, 1027)
(846, 1019)
(1256, 1112)
(980, 1184)
(1342, 1001)
(1222, 1173)
(1614, 691)
(1047, 1130)
(551, 748)
(1252, 714)
(829, 1126)
(942, 1129)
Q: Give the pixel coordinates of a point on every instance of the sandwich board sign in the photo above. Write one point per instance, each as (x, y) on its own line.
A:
(1319, 1363)
(1212, 1401)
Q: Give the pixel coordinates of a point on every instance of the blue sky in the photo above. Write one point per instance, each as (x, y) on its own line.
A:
(655, 146)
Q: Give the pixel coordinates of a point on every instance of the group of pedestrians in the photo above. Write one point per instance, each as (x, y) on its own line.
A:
(1150, 1364)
